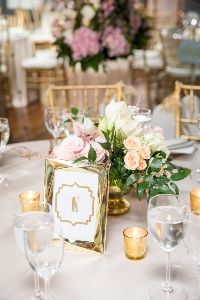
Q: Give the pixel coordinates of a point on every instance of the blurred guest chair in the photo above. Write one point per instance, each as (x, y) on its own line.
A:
(175, 69)
(90, 99)
(187, 111)
(42, 70)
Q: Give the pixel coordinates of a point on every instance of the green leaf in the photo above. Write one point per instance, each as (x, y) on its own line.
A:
(80, 159)
(92, 154)
(180, 174)
(132, 179)
(106, 135)
(74, 111)
(160, 154)
(160, 190)
(156, 164)
(106, 146)
(141, 189)
(161, 180)
(174, 188)
(67, 121)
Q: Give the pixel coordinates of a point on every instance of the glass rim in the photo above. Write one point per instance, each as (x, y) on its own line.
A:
(139, 237)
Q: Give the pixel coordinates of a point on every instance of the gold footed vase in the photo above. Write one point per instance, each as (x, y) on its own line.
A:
(117, 204)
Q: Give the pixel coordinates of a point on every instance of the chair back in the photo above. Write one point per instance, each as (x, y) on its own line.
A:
(90, 99)
(187, 111)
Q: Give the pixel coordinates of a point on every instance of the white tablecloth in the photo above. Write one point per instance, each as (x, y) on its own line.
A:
(85, 276)
(20, 48)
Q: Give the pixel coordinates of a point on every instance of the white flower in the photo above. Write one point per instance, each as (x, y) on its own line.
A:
(118, 114)
(156, 142)
(87, 12)
(96, 3)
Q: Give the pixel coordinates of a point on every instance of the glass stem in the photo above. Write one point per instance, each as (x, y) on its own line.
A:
(46, 288)
(167, 285)
(36, 284)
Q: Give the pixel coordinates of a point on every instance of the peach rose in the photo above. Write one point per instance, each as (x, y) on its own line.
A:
(145, 152)
(142, 165)
(132, 143)
(131, 160)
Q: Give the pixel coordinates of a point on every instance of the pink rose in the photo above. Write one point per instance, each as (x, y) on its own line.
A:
(131, 160)
(145, 152)
(70, 148)
(132, 143)
(100, 152)
(142, 165)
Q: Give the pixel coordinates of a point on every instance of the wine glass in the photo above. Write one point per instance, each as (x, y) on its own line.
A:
(4, 137)
(143, 116)
(54, 118)
(46, 258)
(192, 243)
(27, 216)
(166, 218)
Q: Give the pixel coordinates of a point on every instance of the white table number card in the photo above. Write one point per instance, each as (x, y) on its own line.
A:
(79, 197)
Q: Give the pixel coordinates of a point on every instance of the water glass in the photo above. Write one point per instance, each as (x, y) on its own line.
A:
(167, 217)
(45, 257)
(28, 218)
(143, 116)
(4, 137)
(54, 118)
(192, 244)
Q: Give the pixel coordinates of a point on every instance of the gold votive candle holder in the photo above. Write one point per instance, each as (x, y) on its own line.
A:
(195, 199)
(135, 242)
(29, 201)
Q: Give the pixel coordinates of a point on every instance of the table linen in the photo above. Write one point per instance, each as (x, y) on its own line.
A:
(86, 275)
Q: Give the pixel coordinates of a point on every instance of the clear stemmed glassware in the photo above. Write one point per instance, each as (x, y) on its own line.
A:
(198, 150)
(46, 258)
(166, 219)
(27, 216)
(54, 118)
(192, 243)
(4, 137)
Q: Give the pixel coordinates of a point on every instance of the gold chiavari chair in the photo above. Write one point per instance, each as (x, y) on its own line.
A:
(187, 111)
(87, 98)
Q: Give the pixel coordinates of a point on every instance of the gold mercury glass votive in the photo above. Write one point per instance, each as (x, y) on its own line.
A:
(195, 199)
(29, 201)
(135, 242)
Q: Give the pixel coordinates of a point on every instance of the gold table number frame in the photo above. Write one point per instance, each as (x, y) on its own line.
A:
(79, 198)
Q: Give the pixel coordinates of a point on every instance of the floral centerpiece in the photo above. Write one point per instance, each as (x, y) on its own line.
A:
(138, 160)
(98, 30)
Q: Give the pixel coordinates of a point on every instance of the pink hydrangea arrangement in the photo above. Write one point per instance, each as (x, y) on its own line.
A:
(97, 30)
(137, 160)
